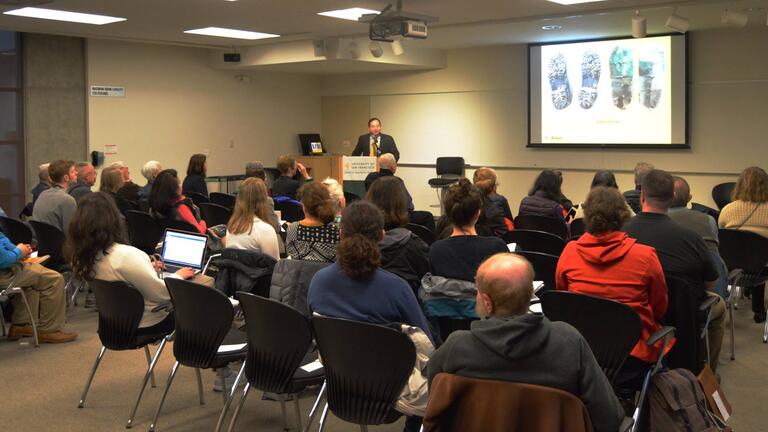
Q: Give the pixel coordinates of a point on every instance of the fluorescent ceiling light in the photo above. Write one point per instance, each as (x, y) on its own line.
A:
(573, 2)
(57, 15)
(352, 14)
(230, 33)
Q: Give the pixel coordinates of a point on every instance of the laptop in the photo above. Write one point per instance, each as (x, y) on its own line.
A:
(183, 249)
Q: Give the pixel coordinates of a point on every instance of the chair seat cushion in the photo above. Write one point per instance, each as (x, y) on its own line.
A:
(302, 379)
(233, 337)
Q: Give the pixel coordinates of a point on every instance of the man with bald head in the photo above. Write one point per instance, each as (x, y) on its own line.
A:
(388, 168)
(510, 344)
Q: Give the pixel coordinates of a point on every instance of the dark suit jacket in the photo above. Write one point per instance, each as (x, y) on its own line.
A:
(386, 145)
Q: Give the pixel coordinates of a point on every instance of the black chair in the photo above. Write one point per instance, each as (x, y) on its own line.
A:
(12, 290)
(746, 255)
(50, 241)
(578, 228)
(16, 230)
(144, 231)
(289, 210)
(540, 223)
(222, 199)
(721, 194)
(274, 357)
(350, 197)
(215, 214)
(700, 208)
(423, 232)
(121, 308)
(535, 241)
(203, 322)
(449, 171)
(366, 367)
(197, 198)
(180, 225)
(544, 265)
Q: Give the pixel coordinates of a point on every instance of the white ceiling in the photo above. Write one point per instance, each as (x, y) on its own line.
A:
(462, 23)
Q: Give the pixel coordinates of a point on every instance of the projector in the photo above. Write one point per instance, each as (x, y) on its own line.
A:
(386, 31)
(415, 29)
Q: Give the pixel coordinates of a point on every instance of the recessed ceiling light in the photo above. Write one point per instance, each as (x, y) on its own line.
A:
(573, 2)
(551, 27)
(352, 14)
(230, 33)
(57, 15)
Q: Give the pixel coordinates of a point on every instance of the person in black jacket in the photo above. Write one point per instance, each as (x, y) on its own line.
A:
(195, 179)
(287, 185)
(544, 198)
(402, 252)
(495, 206)
(375, 143)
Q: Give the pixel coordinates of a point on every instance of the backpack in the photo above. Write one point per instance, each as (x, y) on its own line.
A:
(677, 403)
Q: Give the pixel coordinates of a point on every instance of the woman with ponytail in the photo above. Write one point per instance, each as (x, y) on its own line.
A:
(355, 287)
(459, 256)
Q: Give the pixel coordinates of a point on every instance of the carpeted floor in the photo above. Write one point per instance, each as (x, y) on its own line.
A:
(41, 387)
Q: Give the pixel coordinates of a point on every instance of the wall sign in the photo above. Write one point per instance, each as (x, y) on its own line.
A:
(107, 91)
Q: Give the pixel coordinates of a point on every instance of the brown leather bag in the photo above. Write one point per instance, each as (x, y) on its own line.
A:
(677, 404)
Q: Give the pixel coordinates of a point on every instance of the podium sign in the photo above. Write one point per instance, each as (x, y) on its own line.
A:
(357, 168)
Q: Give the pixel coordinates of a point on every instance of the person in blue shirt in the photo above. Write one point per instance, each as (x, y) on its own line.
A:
(44, 289)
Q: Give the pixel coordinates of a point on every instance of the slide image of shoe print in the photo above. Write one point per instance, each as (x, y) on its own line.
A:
(622, 68)
(651, 66)
(558, 81)
(590, 77)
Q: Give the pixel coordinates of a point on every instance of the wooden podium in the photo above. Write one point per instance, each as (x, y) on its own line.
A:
(323, 166)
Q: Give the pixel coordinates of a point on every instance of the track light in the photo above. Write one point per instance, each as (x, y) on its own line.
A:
(376, 49)
(677, 23)
(397, 48)
(737, 19)
(638, 25)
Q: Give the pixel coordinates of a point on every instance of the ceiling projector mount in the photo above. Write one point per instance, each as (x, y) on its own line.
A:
(390, 24)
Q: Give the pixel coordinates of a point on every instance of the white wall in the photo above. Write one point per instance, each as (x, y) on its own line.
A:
(477, 106)
(176, 104)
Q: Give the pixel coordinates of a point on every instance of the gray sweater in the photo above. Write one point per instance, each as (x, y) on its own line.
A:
(530, 349)
(55, 207)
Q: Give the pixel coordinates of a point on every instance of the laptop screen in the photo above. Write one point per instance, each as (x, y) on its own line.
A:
(184, 249)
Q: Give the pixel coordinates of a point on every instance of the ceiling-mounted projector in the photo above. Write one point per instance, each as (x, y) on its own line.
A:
(390, 24)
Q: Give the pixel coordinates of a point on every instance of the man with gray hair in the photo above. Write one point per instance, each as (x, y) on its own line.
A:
(45, 181)
(510, 344)
(149, 171)
(255, 169)
(86, 178)
(633, 196)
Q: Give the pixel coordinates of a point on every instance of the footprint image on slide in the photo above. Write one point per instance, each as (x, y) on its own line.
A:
(590, 76)
(622, 69)
(651, 65)
(558, 81)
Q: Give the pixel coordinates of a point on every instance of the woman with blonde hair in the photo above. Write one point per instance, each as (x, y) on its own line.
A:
(749, 212)
(249, 226)
(337, 195)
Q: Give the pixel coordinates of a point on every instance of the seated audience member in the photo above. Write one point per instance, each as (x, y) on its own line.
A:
(606, 262)
(286, 185)
(55, 206)
(196, 172)
(702, 224)
(111, 182)
(44, 182)
(402, 252)
(682, 252)
(337, 196)
(48, 305)
(749, 212)
(633, 196)
(313, 238)
(512, 345)
(130, 190)
(167, 201)
(544, 198)
(255, 169)
(495, 207)
(149, 171)
(388, 168)
(563, 200)
(249, 227)
(86, 178)
(98, 248)
(602, 178)
(458, 256)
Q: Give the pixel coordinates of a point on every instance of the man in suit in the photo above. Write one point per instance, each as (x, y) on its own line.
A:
(375, 143)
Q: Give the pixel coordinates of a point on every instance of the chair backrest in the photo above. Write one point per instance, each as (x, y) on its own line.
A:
(289, 211)
(273, 356)
(743, 250)
(578, 227)
(536, 241)
(423, 232)
(541, 223)
(16, 230)
(683, 314)
(721, 194)
(120, 308)
(458, 403)
(167, 223)
(197, 198)
(215, 214)
(50, 241)
(544, 265)
(143, 231)
(222, 199)
(450, 166)
(610, 328)
(366, 367)
(203, 318)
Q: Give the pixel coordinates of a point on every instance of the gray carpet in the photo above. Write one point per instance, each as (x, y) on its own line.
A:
(41, 387)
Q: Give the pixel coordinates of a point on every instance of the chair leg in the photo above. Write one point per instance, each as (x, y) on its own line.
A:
(32, 319)
(231, 398)
(237, 381)
(298, 411)
(730, 312)
(363, 428)
(174, 369)
(239, 407)
(765, 332)
(283, 411)
(322, 418)
(73, 300)
(149, 363)
(149, 373)
(2, 321)
(200, 386)
(224, 391)
(313, 411)
(90, 376)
